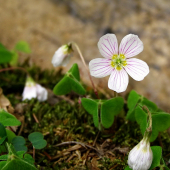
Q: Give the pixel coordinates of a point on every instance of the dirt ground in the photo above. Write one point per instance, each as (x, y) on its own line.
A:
(47, 24)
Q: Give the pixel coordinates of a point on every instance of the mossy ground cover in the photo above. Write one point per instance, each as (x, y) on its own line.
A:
(63, 119)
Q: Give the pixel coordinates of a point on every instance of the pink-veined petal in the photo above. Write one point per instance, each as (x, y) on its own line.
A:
(130, 46)
(108, 45)
(137, 69)
(100, 67)
(118, 80)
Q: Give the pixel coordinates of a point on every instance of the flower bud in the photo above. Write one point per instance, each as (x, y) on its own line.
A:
(141, 156)
(34, 90)
(62, 55)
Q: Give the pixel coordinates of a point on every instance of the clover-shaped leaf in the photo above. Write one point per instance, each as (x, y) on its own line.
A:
(8, 119)
(70, 82)
(23, 46)
(37, 140)
(26, 157)
(157, 154)
(19, 143)
(160, 122)
(103, 111)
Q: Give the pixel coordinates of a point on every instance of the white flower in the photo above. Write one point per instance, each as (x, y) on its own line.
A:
(42, 93)
(34, 90)
(118, 62)
(141, 156)
(62, 56)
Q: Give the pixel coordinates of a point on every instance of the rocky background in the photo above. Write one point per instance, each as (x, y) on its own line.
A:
(47, 24)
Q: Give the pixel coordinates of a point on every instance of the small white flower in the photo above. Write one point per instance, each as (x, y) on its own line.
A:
(118, 62)
(42, 93)
(141, 156)
(34, 90)
(62, 56)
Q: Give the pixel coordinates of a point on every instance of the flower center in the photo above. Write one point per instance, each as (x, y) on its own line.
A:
(118, 61)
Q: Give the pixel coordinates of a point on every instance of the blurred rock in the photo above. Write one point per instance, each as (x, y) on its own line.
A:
(47, 24)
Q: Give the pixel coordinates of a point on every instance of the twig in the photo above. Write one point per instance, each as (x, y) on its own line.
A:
(80, 143)
(14, 68)
(82, 58)
(35, 118)
(33, 153)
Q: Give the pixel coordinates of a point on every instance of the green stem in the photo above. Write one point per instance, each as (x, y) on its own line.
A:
(82, 58)
(148, 131)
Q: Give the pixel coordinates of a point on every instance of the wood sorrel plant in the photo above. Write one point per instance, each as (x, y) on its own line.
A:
(118, 63)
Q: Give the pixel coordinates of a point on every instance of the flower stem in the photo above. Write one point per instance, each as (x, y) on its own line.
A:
(149, 129)
(82, 58)
(14, 68)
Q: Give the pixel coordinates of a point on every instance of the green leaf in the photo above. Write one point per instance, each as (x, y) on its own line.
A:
(75, 71)
(69, 83)
(3, 134)
(37, 140)
(91, 106)
(23, 47)
(150, 105)
(160, 122)
(109, 109)
(127, 168)
(3, 157)
(133, 99)
(157, 154)
(5, 56)
(8, 119)
(26, 157)
(10, 135)
(19, 143)
(2, 164)
(14, 59)
(141, 118)
(2, 47)
(166, 168)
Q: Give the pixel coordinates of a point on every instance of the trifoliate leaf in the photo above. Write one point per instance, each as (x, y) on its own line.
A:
(37, 140)
(23, 46)
(8, 119)
(26, 157)
(5, 56)
(109, 109)
(70, 82)
(19, 143)
(103, 111)
(157, 154)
